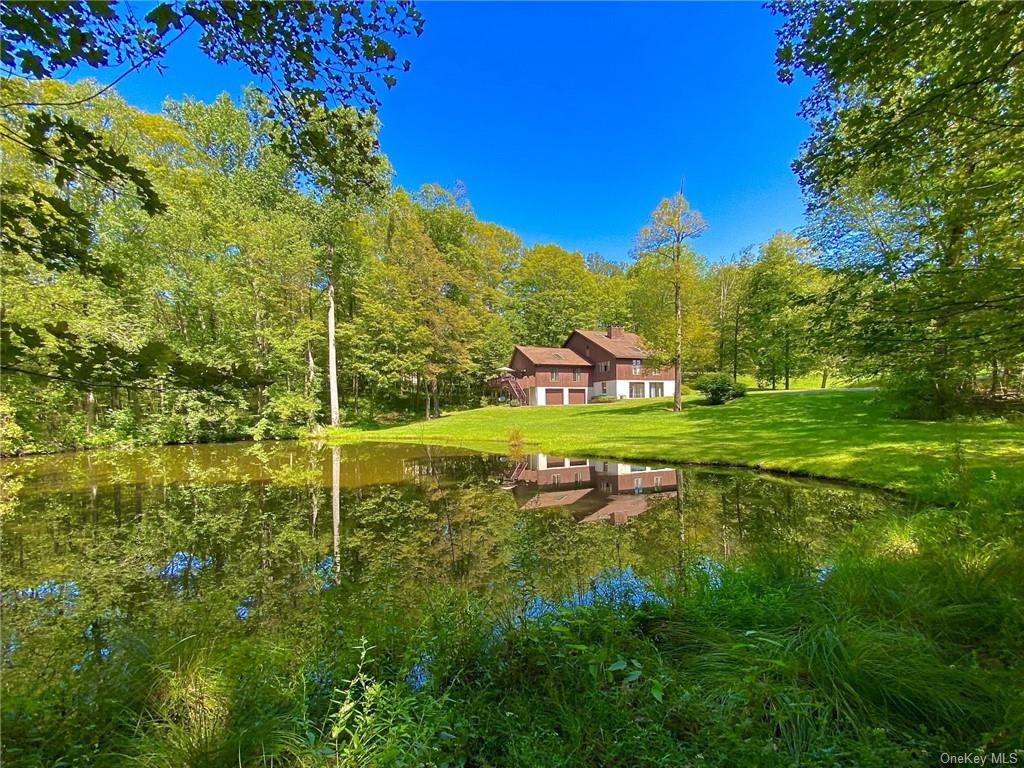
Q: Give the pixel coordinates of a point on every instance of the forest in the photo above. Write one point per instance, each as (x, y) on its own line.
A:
(821, 579)
(212, 320)
(249, 270)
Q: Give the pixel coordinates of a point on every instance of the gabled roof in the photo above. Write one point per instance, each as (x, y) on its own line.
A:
(556, 498)
(619, 509)
(553, 356)
(628, 345)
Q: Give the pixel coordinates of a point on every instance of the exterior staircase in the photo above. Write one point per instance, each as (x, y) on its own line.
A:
(515, 473)
(511, 385)
(521, 466)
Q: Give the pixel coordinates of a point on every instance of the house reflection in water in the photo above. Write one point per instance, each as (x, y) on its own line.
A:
(593, 491)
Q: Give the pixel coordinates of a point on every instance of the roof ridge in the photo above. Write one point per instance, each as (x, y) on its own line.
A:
(631, 340)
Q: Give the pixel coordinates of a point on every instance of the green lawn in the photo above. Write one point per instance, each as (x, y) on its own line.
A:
(847, 435)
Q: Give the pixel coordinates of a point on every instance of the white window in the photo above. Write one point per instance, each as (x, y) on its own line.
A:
(636, 389)
(554, 374)
(556, 480)
(638, 485)
(637, 365)
(657, 388)
(657, 483)
(578, 479)
(604, 387)
(576, 376)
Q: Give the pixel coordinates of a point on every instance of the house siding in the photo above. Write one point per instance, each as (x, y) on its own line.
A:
(619, 388)
(537, 379)
(624, 370)
(595, 354)
(521, 362)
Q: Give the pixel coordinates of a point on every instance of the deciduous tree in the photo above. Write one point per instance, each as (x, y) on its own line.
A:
(665, 239)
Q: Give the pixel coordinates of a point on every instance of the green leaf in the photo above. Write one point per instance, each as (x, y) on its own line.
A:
(164, 17)
(657, 690)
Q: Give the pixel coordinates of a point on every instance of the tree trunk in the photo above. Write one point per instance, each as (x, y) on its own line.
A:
(90, 411)
(437, 403)
(723, 293)
(426, 399)
(332, 357)
(310, 370)
(735, 343)
(994, 385)
(824, 377)
(677, 396)
(786, 361)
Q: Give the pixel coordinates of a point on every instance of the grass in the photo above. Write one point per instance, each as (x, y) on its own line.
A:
(766, 665)
(811, 380)
(905, 643)
(841, 435)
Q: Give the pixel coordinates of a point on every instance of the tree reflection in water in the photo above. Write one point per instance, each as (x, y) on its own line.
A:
(222, 545)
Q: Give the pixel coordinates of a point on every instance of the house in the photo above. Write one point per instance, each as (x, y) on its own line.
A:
(608, 363)
(549, 376)
(591, 490)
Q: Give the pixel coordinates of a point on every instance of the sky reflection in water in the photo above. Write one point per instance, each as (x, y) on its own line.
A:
(195, 539)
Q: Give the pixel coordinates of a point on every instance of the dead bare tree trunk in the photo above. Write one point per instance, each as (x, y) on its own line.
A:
(332, 357)
(310, 370)
(90, 411)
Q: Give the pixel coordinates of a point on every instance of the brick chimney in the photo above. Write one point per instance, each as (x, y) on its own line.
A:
(615, 331)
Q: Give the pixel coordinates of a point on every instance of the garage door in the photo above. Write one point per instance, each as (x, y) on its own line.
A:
(553, 397)
(577, 396)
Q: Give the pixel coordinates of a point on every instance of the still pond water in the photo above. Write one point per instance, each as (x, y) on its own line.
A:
(289, 539)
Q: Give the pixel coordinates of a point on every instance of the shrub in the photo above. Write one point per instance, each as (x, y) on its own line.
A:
(13, 439)
(603, 399)
(125, 427)
(716, 387)
(926, 396)
(739, 389)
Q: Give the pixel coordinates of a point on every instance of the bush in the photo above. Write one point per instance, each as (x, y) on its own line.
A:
(718, 387)
(13, 439)
(603, 399)
(125, 427)
(925, 396)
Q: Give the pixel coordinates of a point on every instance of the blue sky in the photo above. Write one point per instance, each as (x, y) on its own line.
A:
(568, 122)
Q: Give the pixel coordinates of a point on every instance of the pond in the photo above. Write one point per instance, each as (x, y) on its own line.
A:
(262, 533)
(113, 557)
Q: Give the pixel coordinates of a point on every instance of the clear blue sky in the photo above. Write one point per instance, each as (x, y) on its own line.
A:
(568, 122)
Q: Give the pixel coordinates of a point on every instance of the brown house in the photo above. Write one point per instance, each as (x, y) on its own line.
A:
(591, 490)
(608, 363)
(551, 375)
